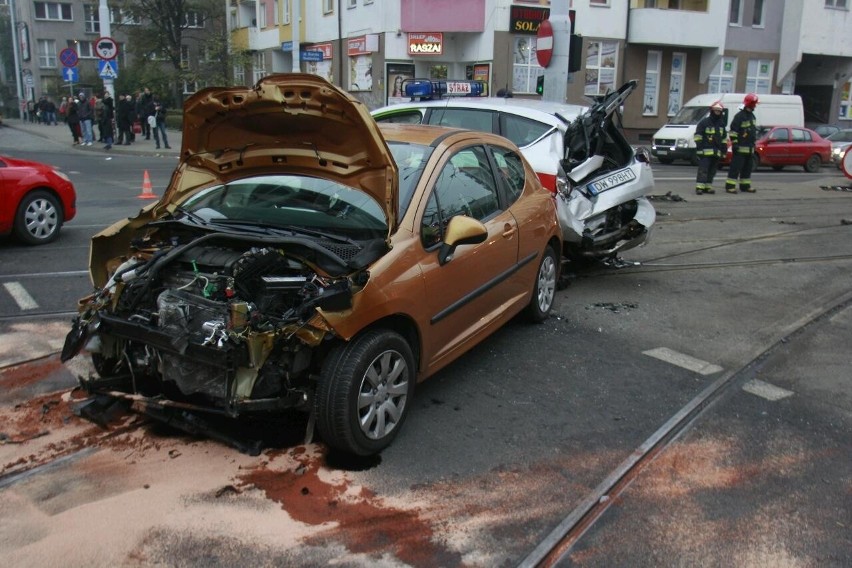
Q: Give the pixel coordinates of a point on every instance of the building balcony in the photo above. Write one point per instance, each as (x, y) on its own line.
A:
(688, 28)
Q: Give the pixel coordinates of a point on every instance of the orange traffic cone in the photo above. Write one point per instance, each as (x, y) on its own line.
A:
(147, 189)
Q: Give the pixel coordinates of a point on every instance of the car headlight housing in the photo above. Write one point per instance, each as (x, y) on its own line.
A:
(682, 143)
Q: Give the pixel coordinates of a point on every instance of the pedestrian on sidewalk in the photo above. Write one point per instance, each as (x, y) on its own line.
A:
(73, 120)
(85, 112)
(123, 119)
(159, 123)
(710, 145)
(146, 109)
(107, 115)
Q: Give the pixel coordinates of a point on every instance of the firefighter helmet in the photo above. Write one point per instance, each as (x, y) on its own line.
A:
(750, 100)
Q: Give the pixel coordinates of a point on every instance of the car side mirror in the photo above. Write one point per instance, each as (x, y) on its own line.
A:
(461, 230)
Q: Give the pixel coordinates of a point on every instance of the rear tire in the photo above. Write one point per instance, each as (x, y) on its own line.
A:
(544, 289)
(364, 392)
(39, 218)
(813, 164)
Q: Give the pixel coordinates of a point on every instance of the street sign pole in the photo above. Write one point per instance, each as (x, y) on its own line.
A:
(103, 17)
(556, 74)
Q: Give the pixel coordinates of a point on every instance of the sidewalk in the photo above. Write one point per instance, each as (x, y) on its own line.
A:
(62, 135)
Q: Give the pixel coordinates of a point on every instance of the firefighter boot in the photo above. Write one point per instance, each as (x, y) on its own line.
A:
(731, 186)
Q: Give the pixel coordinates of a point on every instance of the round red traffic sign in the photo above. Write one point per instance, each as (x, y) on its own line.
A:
(846, 163)
(106, 47)
(544, 43)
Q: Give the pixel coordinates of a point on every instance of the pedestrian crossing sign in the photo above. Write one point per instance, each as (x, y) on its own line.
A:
(108, 69)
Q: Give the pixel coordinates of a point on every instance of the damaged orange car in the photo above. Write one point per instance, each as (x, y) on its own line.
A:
(303, 258)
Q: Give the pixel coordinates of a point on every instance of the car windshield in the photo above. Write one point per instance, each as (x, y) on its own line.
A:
(291, 202)
(690, 115)
(410, 160)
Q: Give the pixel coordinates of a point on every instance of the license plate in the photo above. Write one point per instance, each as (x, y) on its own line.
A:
(613, 180)
(662, 152)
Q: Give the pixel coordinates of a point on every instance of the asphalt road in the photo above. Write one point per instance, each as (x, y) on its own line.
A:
(507, 441)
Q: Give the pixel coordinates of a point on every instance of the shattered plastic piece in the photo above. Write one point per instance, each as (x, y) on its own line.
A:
(836, 187)
(669, 196)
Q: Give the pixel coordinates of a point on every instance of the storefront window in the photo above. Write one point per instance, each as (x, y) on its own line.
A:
(601, 61)
(676, 83)
(525, 68)
(652, 83)
(759, 77)
(722, 76)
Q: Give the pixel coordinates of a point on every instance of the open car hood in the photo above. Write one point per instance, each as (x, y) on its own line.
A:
(287, 123)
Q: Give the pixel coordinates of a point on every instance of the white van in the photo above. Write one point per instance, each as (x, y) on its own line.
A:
(675, 140)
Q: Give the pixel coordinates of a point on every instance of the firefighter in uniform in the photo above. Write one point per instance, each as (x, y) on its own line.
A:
(743, 131)
(710, 145)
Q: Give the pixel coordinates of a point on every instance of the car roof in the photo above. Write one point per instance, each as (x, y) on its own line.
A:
(529, 108)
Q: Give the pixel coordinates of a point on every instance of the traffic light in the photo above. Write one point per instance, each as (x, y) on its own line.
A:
(575, 53)
(539, 85)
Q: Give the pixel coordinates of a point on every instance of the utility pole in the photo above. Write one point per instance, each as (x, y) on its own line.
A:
(556, 74)
(16, 56)
(296, 25)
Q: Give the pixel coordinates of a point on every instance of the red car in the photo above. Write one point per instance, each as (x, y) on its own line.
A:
(35, 200)
(779, 146)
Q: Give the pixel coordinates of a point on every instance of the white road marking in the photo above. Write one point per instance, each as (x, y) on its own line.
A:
(766, 390)
(21, 296)
(683, 361)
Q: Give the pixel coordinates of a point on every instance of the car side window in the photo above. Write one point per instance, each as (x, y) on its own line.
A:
(780, 135)
(402, 117)
(466, 186)
(801, 135)
(482, 120)
(522, 131)
(511, 169)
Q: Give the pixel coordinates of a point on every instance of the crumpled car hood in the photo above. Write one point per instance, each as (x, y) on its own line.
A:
(295, 123)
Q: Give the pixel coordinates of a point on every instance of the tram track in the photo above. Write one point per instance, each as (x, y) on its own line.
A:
(560, 541)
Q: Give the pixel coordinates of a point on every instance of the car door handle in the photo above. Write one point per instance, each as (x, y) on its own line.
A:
(509, 231)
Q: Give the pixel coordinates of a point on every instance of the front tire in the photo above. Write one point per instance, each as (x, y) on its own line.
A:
(813, 164)
(39, 218)
(364, 392)
(544, 289)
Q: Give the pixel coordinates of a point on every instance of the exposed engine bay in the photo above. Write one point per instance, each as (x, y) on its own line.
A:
(222, 321)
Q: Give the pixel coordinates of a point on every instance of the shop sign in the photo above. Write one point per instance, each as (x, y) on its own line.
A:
(525, 20)
(362, 45)
(431, 43)
(326, 48)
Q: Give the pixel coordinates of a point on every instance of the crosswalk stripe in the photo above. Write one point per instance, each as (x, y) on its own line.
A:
(21, 296)
(683, 361)
(766, 390)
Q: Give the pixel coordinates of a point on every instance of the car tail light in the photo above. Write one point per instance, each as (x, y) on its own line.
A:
(548, 181)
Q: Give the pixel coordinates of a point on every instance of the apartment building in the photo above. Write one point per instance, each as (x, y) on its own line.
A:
(675, 48)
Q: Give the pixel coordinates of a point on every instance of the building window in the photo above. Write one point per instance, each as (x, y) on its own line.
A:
(84, 49)
(676, 83)
(46, 53)
(123, 17)
(601, 61)
(193, 19)
(604, 3)
(327, 6)
(759, 76)
(286, 15)
(722, 76)
(90, 19)
(190, 87)
(261, 22)
(842, 4)
(757, 17)
(276, 12)
(239, 75)
(652, 83)
(351, 3)
(259, 66)
(736, 16)
(53, 11)
(525, 67)
(846, 101)
(184, 57)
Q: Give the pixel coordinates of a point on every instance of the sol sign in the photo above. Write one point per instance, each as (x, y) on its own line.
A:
(523, 20)
(426, 43)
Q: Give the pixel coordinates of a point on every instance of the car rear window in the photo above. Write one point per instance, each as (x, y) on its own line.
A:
(522, 131)
(402, 117)
(482, 120)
